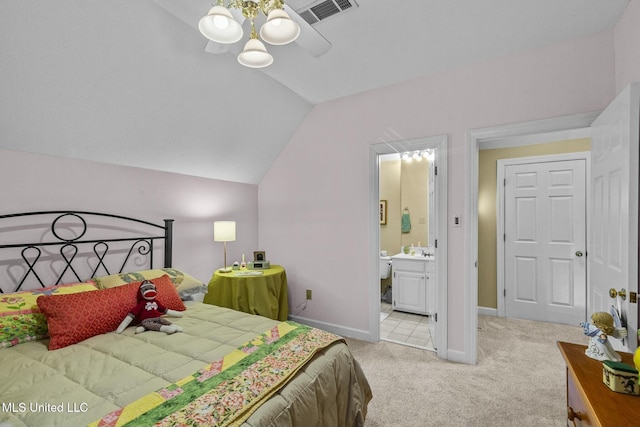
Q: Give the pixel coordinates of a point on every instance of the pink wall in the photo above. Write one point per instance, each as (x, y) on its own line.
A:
(33, 182)
(314, 200)
(627, 46)
(312, 206)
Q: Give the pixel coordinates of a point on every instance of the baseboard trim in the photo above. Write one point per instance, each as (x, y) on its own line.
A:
(336, 329)
(457, 356)
(487, 311)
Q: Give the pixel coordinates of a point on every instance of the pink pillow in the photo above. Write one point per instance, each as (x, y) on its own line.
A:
(75, 317)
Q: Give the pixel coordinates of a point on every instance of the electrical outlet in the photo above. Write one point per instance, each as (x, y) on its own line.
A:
(308, 293)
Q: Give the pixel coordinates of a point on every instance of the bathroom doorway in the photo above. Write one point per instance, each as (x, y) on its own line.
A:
(410, 210)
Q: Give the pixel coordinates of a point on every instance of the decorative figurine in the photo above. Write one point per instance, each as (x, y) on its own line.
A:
(148, 312)
(601, 327)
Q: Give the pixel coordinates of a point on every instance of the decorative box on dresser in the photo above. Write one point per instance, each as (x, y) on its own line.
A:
(589, 401)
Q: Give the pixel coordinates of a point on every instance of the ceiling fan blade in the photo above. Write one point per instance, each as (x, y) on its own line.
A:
(215, 48)
(189, 12)
(309, 39)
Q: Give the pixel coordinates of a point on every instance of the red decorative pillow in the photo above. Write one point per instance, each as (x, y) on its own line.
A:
(167, 293)
(75, 317)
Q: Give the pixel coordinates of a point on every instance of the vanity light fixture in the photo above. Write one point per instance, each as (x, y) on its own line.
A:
(429, 154)
(418, 155)
(219, 26)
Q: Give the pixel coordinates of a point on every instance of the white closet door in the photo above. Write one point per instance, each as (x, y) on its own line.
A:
(545, 241)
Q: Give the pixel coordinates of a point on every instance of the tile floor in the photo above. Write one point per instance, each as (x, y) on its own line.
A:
(405, 328)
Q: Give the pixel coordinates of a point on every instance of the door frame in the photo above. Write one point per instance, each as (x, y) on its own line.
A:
(438, 142)
(500, 207)
(526, 133)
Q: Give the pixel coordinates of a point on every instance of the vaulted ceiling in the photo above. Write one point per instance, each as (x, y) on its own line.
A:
(130, 83)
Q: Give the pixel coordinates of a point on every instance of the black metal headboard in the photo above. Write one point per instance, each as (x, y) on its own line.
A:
(53, 247)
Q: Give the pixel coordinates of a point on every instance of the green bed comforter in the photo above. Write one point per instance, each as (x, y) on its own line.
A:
(80, 384)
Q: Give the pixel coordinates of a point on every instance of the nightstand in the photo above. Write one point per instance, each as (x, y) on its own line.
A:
(265, 295)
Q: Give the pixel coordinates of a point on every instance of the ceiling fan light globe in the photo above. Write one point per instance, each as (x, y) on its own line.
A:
(280, 28)
(219, 26)
(255, 55)
(221, 22)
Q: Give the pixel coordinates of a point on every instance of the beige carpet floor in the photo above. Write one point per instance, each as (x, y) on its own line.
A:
(519, 379)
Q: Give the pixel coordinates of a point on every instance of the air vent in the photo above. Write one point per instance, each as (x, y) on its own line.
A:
(308, 16)
(325, 9)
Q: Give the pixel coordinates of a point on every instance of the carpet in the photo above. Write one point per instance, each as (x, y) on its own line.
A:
(519, 379)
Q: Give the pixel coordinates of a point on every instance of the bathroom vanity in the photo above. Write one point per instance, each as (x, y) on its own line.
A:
(413, 282)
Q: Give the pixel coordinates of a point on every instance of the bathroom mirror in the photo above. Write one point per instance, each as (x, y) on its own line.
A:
(406, 183)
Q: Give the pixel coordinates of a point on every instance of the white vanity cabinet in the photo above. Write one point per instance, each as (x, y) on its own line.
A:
(413, 285)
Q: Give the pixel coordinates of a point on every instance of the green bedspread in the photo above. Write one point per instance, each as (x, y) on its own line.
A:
(107, 373)
(228, 390)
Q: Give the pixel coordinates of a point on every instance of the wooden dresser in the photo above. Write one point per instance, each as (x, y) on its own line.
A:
(589, 401)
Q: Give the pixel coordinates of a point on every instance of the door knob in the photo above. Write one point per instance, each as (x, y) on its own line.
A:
(578, 253)
(622, 293)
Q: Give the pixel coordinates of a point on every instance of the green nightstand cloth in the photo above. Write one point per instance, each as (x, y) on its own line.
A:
(264, 295)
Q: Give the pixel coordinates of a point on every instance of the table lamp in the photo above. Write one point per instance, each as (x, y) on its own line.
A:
(224, 231)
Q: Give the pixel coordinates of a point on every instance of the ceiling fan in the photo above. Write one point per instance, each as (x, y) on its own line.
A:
(192, 11)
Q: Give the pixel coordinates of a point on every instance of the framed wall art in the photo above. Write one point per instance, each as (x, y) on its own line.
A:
(383, 212)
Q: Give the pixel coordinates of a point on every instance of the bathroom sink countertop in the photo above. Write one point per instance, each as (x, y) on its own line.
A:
(417, 257)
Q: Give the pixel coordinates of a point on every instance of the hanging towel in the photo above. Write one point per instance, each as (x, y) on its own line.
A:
(406, 221)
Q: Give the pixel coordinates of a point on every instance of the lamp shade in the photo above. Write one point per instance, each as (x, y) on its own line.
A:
(219, 26)
(224, 231)
(255, 55)
(279, 28)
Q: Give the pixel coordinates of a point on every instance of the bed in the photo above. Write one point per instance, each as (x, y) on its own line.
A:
(62, 364)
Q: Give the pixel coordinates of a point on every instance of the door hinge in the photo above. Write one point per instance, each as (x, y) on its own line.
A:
(435, 317)
(504, 237)
(436, 243)
(504, 182)
(504, 293)
(436, 171)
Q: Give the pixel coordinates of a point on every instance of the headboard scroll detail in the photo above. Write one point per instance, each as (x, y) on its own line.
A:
(52, 247)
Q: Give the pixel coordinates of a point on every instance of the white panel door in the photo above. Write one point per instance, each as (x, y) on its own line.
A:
(545, 241)
(613, 258)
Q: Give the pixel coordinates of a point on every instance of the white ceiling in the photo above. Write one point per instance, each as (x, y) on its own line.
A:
(129, 83)
(385, 42)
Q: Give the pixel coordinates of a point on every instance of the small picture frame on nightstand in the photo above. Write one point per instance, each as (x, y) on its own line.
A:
(259, 256)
